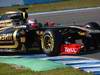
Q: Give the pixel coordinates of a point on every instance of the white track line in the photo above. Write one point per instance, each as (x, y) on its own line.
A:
(62, 11)
(83, 63)
(86, 66)
(92, 69)
(79, 61)
(62, 57)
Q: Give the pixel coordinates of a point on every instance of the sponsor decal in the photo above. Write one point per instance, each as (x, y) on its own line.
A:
(70, 48)
(6, 37)
(9, 37)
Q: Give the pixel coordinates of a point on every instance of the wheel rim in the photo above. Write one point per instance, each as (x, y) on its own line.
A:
(48, 43)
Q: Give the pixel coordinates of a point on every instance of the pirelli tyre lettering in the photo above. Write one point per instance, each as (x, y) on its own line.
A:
(47, 42)
(51, 42)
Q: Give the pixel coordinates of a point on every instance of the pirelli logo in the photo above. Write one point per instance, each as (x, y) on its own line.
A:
(6, 37)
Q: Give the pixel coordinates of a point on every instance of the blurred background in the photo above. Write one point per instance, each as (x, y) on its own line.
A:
(4, 3)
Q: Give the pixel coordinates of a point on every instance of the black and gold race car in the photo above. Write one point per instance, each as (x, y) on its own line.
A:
(19, 34)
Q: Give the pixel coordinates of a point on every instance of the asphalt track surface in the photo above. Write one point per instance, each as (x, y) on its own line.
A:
(72, 17)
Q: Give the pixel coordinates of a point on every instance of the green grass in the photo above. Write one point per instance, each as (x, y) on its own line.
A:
(65, 4)
(6, 69)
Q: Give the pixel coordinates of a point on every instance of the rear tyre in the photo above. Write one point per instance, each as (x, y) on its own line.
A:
(21, 39)
(21, 47)
(51, 42)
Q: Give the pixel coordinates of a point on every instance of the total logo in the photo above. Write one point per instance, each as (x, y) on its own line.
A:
(71, 49)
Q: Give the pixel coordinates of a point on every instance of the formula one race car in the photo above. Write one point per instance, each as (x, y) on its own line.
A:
(18, 34)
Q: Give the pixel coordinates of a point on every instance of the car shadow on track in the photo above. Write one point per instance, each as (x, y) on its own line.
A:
(40, 52)
(89, 52)
(20, 53)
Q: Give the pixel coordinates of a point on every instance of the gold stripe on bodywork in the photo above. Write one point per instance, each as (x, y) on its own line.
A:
(24, 15)
(2, 29)
(15, 40)
(6, 23)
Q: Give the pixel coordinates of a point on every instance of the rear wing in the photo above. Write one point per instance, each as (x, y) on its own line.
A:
(24, 13)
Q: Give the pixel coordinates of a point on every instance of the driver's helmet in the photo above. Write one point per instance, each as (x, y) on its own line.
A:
(49, 23)
(33, 23)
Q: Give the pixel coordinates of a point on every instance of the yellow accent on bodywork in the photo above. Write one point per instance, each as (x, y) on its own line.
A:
(15, 40)
(24, 15)
(82, 33)
(6, 23)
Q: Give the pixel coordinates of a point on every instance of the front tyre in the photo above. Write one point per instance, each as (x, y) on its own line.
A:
(92, 25)
(50, 42)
